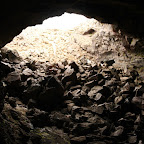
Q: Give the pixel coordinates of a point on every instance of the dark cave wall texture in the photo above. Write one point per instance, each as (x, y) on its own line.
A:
(17, 15)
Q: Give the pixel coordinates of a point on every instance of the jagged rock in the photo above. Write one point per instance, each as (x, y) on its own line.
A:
(90, 84)
(137, 101)
(26, 73)
(97, 108)
(94, 91)
(118, 99)
(75, 87)
(5, 68)
(52, 93)
(58, 119)
(96, 77)
(61, 66)
(13, 56)
(78, 140)
(2, 95)
(99, 98)
(118, 131)
(38, 118)
(70, 106)
(74, 66)
(132, 139)
(32, 92)
(110, 62)
(49, 135)
(14, 126)
(13, 77)
(32, 103)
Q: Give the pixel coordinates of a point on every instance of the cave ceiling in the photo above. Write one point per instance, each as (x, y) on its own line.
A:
(15, 16)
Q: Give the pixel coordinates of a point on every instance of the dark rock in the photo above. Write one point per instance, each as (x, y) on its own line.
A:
(82, 128)
(97, 108)
(61, 66)
(14, 126)
(26, 73)
(78, 140)
(96, 77)
(2, 95)
(94, 91)
(58, 119)
(52, 93)
(49, 135)
(32, 103)
(70, 106)
(69, 75)
(38, 118)
(137, 101)
(32, 92)
(118, 131)
(74, 66)
(5, 68)
(13, 56)
(75, 87)
(132, 139)
(134, 73)
(110, 62)
(13, 77)
(90, 84)
(118, 100)
(99, 98)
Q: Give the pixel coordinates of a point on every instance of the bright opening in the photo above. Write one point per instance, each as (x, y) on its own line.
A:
(70, 37)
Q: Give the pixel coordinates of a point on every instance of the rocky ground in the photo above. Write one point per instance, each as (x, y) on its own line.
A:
(89, 93)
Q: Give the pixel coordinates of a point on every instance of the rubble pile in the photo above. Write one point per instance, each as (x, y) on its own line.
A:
(66, 102)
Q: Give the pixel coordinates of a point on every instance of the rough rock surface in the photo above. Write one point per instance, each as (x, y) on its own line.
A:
(99, 104)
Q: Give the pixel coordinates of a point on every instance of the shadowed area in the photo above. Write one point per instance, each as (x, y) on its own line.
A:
(17, 16)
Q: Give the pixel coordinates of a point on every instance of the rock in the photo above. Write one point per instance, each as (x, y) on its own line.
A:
(38, 117)
(110, 62)
(90, 84)
(97, 108)
(32, 103)
(82, 128)
(13, 77)
(52, 93)
(118, 131)
(74, 66)
(26, 73)
(58, 119)
(75, 87)
(94, 90)
(13, 56)
(134, 73)
(61, 66)
(99, 98)
(70, 106)
(118, 100)
(14, 126)
(132, 139)
(5, 68)
(96, 77)
(137, 101)
(49, 135)
(32, 92)
(2, 95)
(78, 140)
(69, 75)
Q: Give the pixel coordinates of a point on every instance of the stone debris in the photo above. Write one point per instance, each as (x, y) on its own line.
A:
(78, 86)
(62, 103)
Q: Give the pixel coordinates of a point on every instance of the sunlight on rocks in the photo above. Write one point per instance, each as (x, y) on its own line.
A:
(67, 37)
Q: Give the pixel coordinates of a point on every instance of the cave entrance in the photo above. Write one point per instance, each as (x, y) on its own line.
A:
(70, 37)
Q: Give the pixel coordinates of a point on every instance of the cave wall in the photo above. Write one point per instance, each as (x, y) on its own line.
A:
(15, 16)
